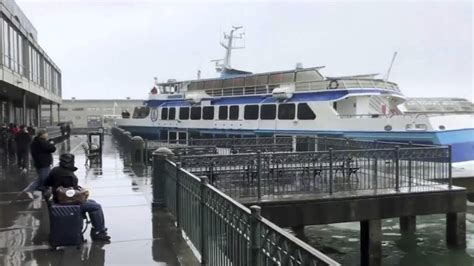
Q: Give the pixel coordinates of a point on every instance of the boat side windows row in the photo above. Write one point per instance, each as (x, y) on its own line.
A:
(284, 111)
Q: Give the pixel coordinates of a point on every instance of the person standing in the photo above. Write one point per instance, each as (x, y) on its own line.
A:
(22, 140)
(42, 152)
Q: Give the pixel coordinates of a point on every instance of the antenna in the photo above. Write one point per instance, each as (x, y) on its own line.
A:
(222, 64)
(391, 64)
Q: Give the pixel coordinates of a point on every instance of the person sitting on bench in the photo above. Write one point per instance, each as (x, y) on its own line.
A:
(63, 175)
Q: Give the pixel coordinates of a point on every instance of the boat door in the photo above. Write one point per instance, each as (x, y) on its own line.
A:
(180, 137)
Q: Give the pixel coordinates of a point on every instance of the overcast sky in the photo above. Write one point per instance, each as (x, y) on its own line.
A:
(113, 49)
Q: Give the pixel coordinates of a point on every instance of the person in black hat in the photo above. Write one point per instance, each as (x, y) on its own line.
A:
(63, 175)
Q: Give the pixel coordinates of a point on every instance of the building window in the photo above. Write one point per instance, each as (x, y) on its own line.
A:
(164, 113)
(195, 113)
(305, 112)
(268, 112)
(172, 113)
(251, 112)
(95, 109)
(184, 113)
(234, 112)
(208, 113)
(286, 111)
(78, 109)
(223, 112)
(63, 109)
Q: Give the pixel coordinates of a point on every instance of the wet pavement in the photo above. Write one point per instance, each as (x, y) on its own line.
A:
(139, 236)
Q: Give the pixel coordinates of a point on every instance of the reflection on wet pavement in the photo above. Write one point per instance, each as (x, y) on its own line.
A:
(139, 236)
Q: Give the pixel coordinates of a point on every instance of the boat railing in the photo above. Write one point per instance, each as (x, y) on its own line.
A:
(307, 86)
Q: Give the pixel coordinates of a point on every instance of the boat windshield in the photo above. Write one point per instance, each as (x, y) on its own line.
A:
(141, 112)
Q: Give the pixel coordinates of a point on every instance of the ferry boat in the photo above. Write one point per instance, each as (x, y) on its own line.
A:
(295, 102)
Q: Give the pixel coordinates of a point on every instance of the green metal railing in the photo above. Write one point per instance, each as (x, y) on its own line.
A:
(221, 229)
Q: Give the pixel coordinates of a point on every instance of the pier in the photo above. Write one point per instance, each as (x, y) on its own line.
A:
(332, 181)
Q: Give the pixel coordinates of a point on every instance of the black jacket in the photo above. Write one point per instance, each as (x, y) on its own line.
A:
(42, 152)
(23, 140)
(61, 176)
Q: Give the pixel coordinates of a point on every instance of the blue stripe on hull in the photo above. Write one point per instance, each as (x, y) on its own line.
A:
(461, 141)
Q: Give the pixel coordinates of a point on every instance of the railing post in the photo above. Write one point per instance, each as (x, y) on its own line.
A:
(330, 171)
(410, 176)
(450, 168)
(255, 242)
(159, 180)
(375, 170)
(202, 214)
(397, 168)
(259, 174)
(178, 194)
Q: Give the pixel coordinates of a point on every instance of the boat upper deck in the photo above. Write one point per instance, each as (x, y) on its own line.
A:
(303, 79)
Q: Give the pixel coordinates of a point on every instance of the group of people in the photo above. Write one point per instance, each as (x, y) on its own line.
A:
(42, 149)
(15, 142)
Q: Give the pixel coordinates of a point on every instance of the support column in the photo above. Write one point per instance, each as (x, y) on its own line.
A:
(408, 225)
(51, 114)
(59, 113)
(456, 230)
(38, 112)
(11, 112)
(371, 242)
(23, 108)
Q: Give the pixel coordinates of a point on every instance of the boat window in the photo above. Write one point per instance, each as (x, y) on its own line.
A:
(286, 111)
(164, 113)
(250, 81)
(262, 80)
(310, 75)
(208, 113)
(208, 84)
(239, 82)
(141, 112)
(195, 113)
(172, 113)
(200, 85)
(251, 112)
(268, 112)
(305, 112)
(223, 112)
(234, 112)
(184, 113)
(228, 83)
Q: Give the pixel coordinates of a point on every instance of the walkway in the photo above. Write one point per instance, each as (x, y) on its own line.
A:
(139, 237)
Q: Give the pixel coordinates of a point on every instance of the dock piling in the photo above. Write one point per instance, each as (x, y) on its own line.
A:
(371, 242)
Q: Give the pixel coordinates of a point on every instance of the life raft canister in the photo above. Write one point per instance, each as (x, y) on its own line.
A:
(333, 84)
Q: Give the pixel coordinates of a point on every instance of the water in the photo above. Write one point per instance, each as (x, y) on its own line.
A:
(426, 247)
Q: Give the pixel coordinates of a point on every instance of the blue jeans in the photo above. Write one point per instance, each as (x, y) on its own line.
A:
(95, 214)
(38, 184)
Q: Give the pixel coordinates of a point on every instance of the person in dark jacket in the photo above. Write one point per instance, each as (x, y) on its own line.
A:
(63, 175)
(22, 140)
(42, 152)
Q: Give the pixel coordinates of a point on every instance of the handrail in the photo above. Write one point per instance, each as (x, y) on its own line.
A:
(202, 210)
(305, 86)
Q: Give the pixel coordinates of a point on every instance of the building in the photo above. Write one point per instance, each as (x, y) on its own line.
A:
(90, 113)
(28, 77)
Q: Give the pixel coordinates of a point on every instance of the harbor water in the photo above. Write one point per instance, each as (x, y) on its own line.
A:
(427, 247)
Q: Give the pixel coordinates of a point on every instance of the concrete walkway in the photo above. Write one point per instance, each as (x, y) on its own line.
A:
(139, 237)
